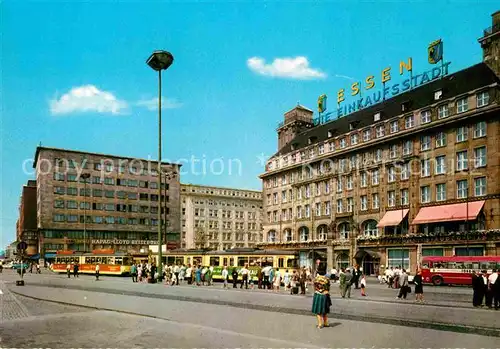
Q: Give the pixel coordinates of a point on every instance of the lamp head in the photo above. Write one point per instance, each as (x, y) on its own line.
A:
(160, 60)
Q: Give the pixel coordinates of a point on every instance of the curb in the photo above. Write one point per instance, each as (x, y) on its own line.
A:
(483, 331)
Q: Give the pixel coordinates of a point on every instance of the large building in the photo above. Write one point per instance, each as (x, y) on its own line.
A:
(26, 224)
(88, 201)
(220, 218)
(383, 185)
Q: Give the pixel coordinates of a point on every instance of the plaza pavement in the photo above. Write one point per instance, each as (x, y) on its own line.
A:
(183, 324)
(108, 294)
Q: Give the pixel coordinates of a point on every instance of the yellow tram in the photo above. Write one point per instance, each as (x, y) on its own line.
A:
(110, 262)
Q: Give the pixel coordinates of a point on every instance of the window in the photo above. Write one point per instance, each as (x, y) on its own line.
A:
(72, 191)
(121, 194)
(394, 126)
(462, 160)
(328, 208)
(425, 117)
(350, 204)
(482, 99)
(425, 194)
(58, 203)
(133, 196)
(97, 193)
(405, 171)
(370, 228)
(405, 197)
(375, 201)
(391, 174)
(391, 198)
(349, 182)
(480, 186)
(84, 205)
(109, 181)
(109, 193)
(397, 256)
(429, 252)
(480, 157)
(425, 143)
(58, 176)
(409, 121)
(318, 188)
(462, 105)
(366, 135)
(72, 218)
(354, 139)
(331, 146)
(443, 111)
(308, 190)
(438, 94)
(441, 192)
(321, 149)
(378, 155)
(59, 218)
(408, 148)
(425, 168)
(376, 117)
(304, 234)
(440, 139)
(441, 164)
(327, 187)
(393, 151)
(363, 179)
(375, 177)
(364, 203)
(299, 211)
(380, 131)
(132, 183)
(462, 189)
(480, 129)
(85, 192)
(339, 184)
(340, 208)
(342, 143)
(462, 134)
(344, 230)
(60, 190)
(72, 204)
(471, 251)
(318, 209)
(307, 210)
(97, 206)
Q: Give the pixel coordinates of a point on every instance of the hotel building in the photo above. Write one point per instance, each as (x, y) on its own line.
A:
(414, 175)
(87, 201)
(220, 218)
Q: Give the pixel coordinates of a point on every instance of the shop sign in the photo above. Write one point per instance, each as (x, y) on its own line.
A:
(124, 242)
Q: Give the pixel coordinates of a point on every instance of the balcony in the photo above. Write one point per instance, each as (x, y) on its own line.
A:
(491, 30)
(449, 237)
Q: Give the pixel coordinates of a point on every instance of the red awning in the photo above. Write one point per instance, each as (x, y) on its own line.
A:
(392, 218)
(449, 213)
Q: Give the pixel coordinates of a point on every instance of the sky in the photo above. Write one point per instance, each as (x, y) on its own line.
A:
(73, 75)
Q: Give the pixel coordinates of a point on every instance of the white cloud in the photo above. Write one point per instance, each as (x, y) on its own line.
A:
(152, 104)
(344, 77)
(288, 67)
(87, 98)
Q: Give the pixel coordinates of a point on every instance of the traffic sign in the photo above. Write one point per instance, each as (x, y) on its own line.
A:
(22, 245)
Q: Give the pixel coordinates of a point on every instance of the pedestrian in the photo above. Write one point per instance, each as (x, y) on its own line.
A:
(38, 270)
(333, 275)
(75, 270)
(271, 278)
(419, 287)
(477, 282)
(139, 272)
(225, 275)
(348, 277)
(177, 271)
(295, 283)
(260, 276)
(235, 277)
(277, 280)
(492, 280)
(198, 275)
(363, 285)
(189, 274)
(302, 280)
(266, 271)
(486, 294)
(133, 272)
(68, 270)
(321, 300)
(403, 281)
(496, 289)
(355, 276)
(182, 273)
(244, 274)
(97, 272)
(286, 280)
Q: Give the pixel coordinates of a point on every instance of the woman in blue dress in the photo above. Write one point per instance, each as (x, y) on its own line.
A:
(198, 275)
(321, 300)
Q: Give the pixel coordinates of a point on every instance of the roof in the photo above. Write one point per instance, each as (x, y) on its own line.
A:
(40, 148)
(455, 84)
(214, 187)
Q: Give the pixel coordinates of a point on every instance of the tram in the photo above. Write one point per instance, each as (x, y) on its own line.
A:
(110, 262)
(234, 258)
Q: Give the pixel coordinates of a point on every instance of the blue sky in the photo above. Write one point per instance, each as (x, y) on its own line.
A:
(74, 74)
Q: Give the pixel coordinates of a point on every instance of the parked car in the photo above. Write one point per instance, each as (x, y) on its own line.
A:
(17, 265)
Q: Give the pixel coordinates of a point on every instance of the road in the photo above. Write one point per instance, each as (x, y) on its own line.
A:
(142, 317)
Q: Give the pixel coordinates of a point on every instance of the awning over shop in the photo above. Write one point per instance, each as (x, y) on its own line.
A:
(35, 256)
(392, 218)
(50, 255)
(371, 253)
(449, 213)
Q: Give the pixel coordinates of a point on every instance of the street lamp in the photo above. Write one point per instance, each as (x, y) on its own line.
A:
(158, 61)
(168, 176)
(85, 176)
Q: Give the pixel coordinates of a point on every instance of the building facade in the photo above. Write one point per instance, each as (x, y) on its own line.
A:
(220, 218)
(87, 201)
(414, 175)
(26, 224)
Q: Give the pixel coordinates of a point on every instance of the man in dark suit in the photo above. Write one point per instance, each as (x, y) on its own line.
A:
(347, 284)
(477, 282)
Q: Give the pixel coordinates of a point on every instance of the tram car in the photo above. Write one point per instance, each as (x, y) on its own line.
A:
(234, 258)
(110, 262)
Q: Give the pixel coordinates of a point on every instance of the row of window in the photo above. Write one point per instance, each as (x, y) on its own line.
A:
(330, 146)
(109, 166)
(108, 235)
(70, 177)
(98, 206)
(226, 225)
(227, 192)
(108, 194)
(72, 218)
(200, 212)
(347, 205)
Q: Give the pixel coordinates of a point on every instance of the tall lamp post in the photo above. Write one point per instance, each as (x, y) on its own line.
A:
(158, 61)
(85, 177)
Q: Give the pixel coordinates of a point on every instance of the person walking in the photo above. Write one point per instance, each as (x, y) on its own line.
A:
(286, 280)
(277, 280)
(403, 282)
(244, 274)
(271, 278)
(321, 300)
(189, 274)
(419, 287)
(302, 280)
(492, 280)
(97, 272)
(133, 272)
(496, 290)
(225, 275)
(198, 275)
(235, 277)
(177, 271)
(477, 285)
(348, 277)
(260, 276)
(68, 270)
(266, 271)
(363, 285)
(75, 270)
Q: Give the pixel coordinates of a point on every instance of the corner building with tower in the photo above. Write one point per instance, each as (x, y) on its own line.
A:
(415, 175)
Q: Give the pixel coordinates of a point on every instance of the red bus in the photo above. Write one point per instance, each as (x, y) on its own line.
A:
(456, 270)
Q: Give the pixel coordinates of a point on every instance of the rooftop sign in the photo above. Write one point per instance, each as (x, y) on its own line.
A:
(367, 98)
